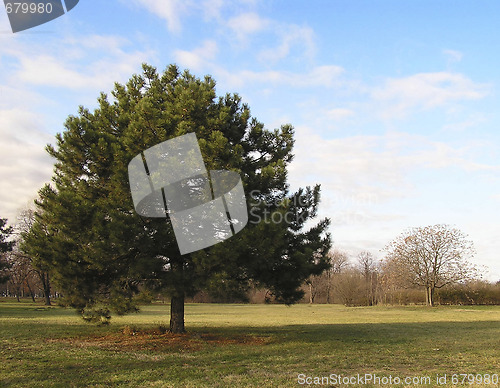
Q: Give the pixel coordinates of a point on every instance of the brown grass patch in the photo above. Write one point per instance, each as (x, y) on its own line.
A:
(130, 339)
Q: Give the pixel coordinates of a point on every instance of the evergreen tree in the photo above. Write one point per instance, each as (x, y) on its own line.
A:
(101, 252)
(5, 246)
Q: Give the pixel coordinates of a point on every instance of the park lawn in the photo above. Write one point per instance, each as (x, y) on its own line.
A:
(245, 345)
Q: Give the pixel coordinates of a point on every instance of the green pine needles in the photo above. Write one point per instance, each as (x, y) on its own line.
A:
(102, 254)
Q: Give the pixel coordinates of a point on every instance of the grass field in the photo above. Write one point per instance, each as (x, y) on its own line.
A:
(246, 345)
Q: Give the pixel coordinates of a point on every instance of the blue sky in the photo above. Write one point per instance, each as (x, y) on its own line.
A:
(395, 103)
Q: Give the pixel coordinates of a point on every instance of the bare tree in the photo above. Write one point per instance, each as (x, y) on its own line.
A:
(20, 274)
(25, 221)
(432, 257)
(390, 280)
(321, 285)
(339, 260)
(314, 286)
(367, 266)
(349, 286)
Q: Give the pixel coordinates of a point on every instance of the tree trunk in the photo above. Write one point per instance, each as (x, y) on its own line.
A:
(31, 291)
(47, 298)
(177, 314)
(429, 295)
(177, 297)
(311, 295)
(46, 288)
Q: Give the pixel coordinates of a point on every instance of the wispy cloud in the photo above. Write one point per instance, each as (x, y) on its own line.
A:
(197, 58)
(212, 8)
(292, 39)
(24, 164)
(73, 67)
(283, 40)
(422, 91)
(473, 121)
(323, 76)
(453, 56)
(368, 181)
(174, 11)
(378, 166)
(246, 24)
(347, 166)
(93, 62)
(337, 114)
(169, 10)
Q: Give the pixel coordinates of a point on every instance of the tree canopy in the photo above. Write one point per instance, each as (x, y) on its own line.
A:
(432, 257)
(101, 252)
(5, 246)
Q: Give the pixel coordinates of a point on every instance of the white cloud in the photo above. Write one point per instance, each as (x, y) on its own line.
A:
(90, 63)
(291, 36)
(376, 166)
(372, 186)
(453, 55)
(13, 96)
(247, 24)
(471, 122)
(285, 39)
(323, 76)
(348, 166)
(326, 75)
(105, 43)
(196, 59)
(28, 76)
(49, 71)
(212, 8)
(24, 164)
(173, 11)
(169, 10)
(422, 91)
(337, 114)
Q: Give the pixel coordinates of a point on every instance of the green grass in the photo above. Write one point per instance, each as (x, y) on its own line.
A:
(244, 345)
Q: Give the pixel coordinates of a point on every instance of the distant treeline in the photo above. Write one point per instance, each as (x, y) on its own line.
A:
(474, 293)
(345, 289)
(365, 282)
(362, 282)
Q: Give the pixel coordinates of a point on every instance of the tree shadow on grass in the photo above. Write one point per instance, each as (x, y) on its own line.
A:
(372, 332)
(116, 356)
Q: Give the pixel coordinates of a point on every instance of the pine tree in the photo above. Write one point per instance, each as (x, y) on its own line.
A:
(5, 246)
(102, 253)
